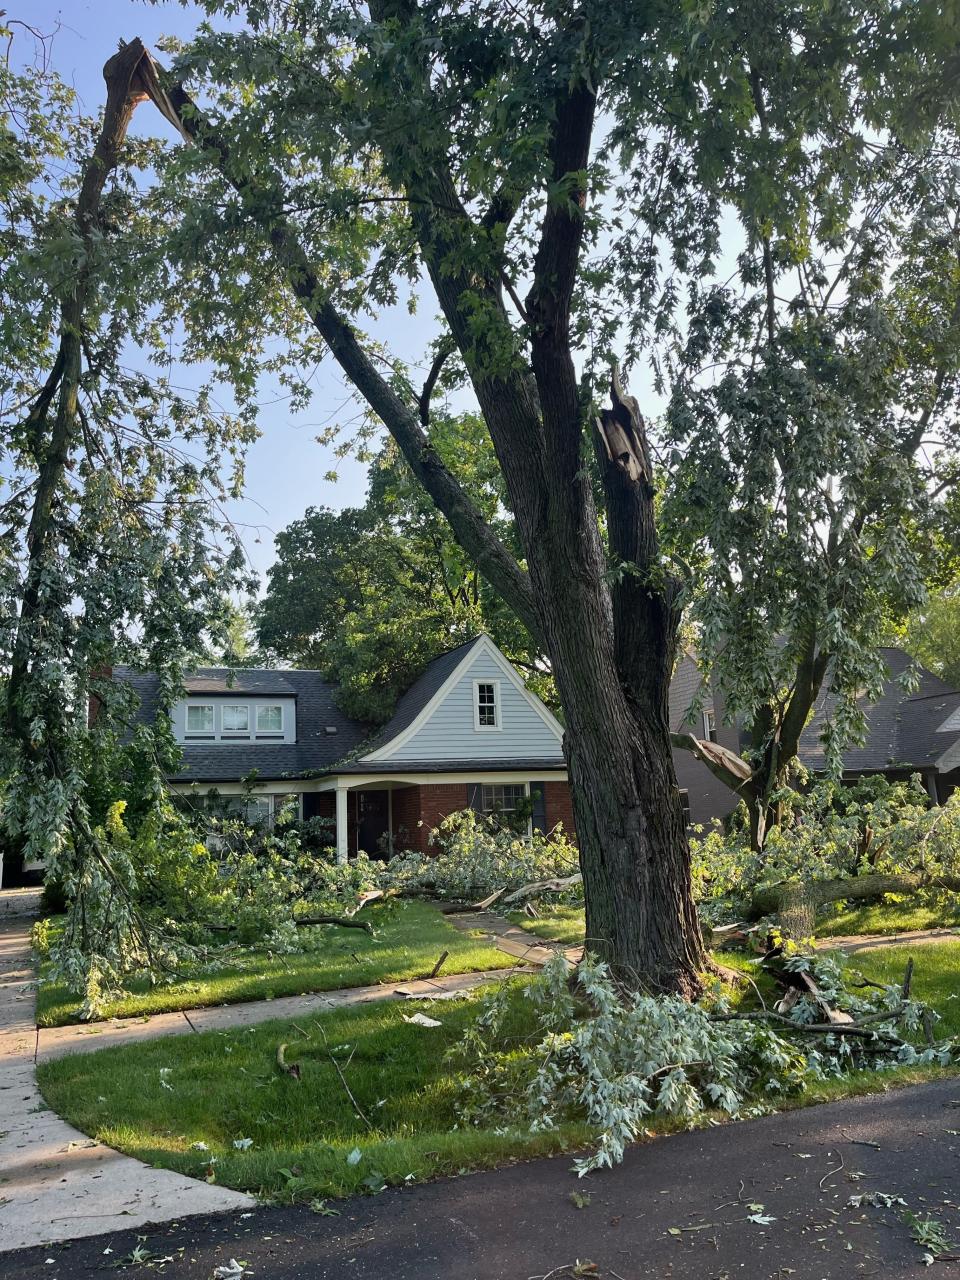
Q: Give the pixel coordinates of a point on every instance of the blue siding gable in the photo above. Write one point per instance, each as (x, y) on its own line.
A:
(446, 729)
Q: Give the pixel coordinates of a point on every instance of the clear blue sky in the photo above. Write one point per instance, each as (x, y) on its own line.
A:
(286, 467)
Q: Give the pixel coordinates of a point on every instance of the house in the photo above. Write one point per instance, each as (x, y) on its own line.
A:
(908, 732)
(467, 733)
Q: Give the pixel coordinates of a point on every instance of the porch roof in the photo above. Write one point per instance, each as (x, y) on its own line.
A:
(526, 764)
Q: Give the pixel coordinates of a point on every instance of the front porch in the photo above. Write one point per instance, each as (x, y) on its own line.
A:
(380, 814)
(386, 814)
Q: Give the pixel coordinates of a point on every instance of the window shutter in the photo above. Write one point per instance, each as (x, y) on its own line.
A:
(475, 796)
(538, 814)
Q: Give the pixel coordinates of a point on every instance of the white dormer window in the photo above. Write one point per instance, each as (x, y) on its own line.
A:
(486, 704)
(270, 718)
(236, 718)
(200, 719)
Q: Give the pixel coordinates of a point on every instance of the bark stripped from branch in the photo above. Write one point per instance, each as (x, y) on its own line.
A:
(625, 445)
(723, 763)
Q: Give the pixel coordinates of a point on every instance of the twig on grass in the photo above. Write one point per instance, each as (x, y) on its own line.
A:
(343, 1079)
(425, 977)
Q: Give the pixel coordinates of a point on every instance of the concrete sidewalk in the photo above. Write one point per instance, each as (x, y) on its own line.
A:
(56, 1183)
(55, 1042)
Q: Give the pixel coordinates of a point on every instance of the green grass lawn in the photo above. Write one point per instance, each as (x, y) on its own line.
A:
(407, 941)
(555, 923)
(225, 1087)
(156, 1100)
(890, 917)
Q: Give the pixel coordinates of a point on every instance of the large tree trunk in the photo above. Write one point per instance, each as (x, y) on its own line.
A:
(634, 857)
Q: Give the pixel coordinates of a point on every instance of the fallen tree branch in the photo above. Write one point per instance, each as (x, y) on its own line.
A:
(811, 1028)
(458, 908)
(555, 885)
(302, 922)
(345, 922)
(774, 898)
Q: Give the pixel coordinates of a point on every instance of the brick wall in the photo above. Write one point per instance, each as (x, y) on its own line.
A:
(559, 807)
(438, 801)
(406, 815)
(417, 810)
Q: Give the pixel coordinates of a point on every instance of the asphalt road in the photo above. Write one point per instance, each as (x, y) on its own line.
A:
(760, 1199)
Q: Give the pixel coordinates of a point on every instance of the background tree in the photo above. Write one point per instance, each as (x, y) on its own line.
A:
(114, 545)
(817, 466)
(370, 595)
(932, 635)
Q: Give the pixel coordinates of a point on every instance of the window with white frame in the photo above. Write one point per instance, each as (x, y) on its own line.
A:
(506, 799)
(236, 718)
(710, 725)
(255, 811)
(270, 718)
(200, 718)
(486, 704)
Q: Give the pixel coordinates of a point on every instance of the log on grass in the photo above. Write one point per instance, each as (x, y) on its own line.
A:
(779, 897)
(345, 922)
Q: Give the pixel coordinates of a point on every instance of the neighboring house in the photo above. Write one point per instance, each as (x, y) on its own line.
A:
(468, 733)
(907, 733)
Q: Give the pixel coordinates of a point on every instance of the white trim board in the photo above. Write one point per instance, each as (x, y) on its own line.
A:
(484, 645)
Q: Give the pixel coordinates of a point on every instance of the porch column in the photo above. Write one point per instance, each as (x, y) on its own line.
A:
(342, 845)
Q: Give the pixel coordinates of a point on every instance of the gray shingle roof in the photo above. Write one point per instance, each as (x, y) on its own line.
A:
(314, 751)
(243, 681)
(903, 728)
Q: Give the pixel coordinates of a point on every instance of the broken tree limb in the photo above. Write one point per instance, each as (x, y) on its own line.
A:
(775, 898)
(458, 908)
(731, 769)
(345, 922)
(811, 1028)
(557, 884)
